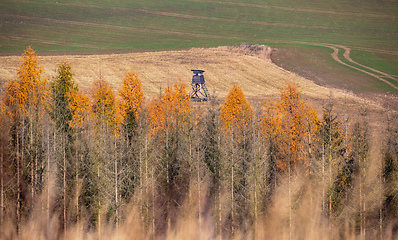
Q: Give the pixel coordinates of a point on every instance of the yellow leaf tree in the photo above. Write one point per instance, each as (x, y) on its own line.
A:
(79, 105)
(236, 118)
(32, 84)
(173, 107)
(14, 98)
(25, 101)
(293, 110)
(29, 92)
(132, 96)
(103, 105)
(169, 119)
(236, 112)
(292, 126)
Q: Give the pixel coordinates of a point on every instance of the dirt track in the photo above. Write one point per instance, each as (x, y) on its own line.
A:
(371, 71)
(347, 56)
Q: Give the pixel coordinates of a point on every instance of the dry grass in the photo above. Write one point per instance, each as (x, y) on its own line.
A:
(224, 67)
(246, 65)
(295, 213)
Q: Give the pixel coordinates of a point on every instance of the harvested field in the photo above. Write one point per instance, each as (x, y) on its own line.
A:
(250, 68)
(224, 66)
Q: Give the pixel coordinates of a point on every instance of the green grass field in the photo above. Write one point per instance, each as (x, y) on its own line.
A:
(369, 28)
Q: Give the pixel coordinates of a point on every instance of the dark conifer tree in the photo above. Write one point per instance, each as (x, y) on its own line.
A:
(389, 211)
(61, 114)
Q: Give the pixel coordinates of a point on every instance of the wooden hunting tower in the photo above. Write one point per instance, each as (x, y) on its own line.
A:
(199, 90)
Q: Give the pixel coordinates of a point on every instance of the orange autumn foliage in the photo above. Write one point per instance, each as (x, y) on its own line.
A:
(104, 102)
(236, 112)
(293, 111)
(271, 120)
(29, 91)
(131, 95)
(79, 106)
(171, 108)
(14, 97)
(292, 124)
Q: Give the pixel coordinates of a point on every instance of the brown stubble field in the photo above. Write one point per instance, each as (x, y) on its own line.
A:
(256, 74)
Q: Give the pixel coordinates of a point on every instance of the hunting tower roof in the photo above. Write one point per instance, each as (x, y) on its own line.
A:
(197, 71)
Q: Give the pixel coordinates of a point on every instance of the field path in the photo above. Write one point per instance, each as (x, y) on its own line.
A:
(347, 56)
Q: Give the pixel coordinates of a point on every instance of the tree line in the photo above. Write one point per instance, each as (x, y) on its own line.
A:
(85, 159)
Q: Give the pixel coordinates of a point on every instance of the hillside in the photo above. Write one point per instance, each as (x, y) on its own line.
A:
(253, 71)
(306, 33)
(257, 75)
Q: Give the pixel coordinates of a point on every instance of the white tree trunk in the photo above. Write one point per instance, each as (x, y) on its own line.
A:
(323, 177)
(153, 204)
(116, 185)
(64, 182)
(290, 202)
(19, 155)
(1, 191)
(48, 182)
